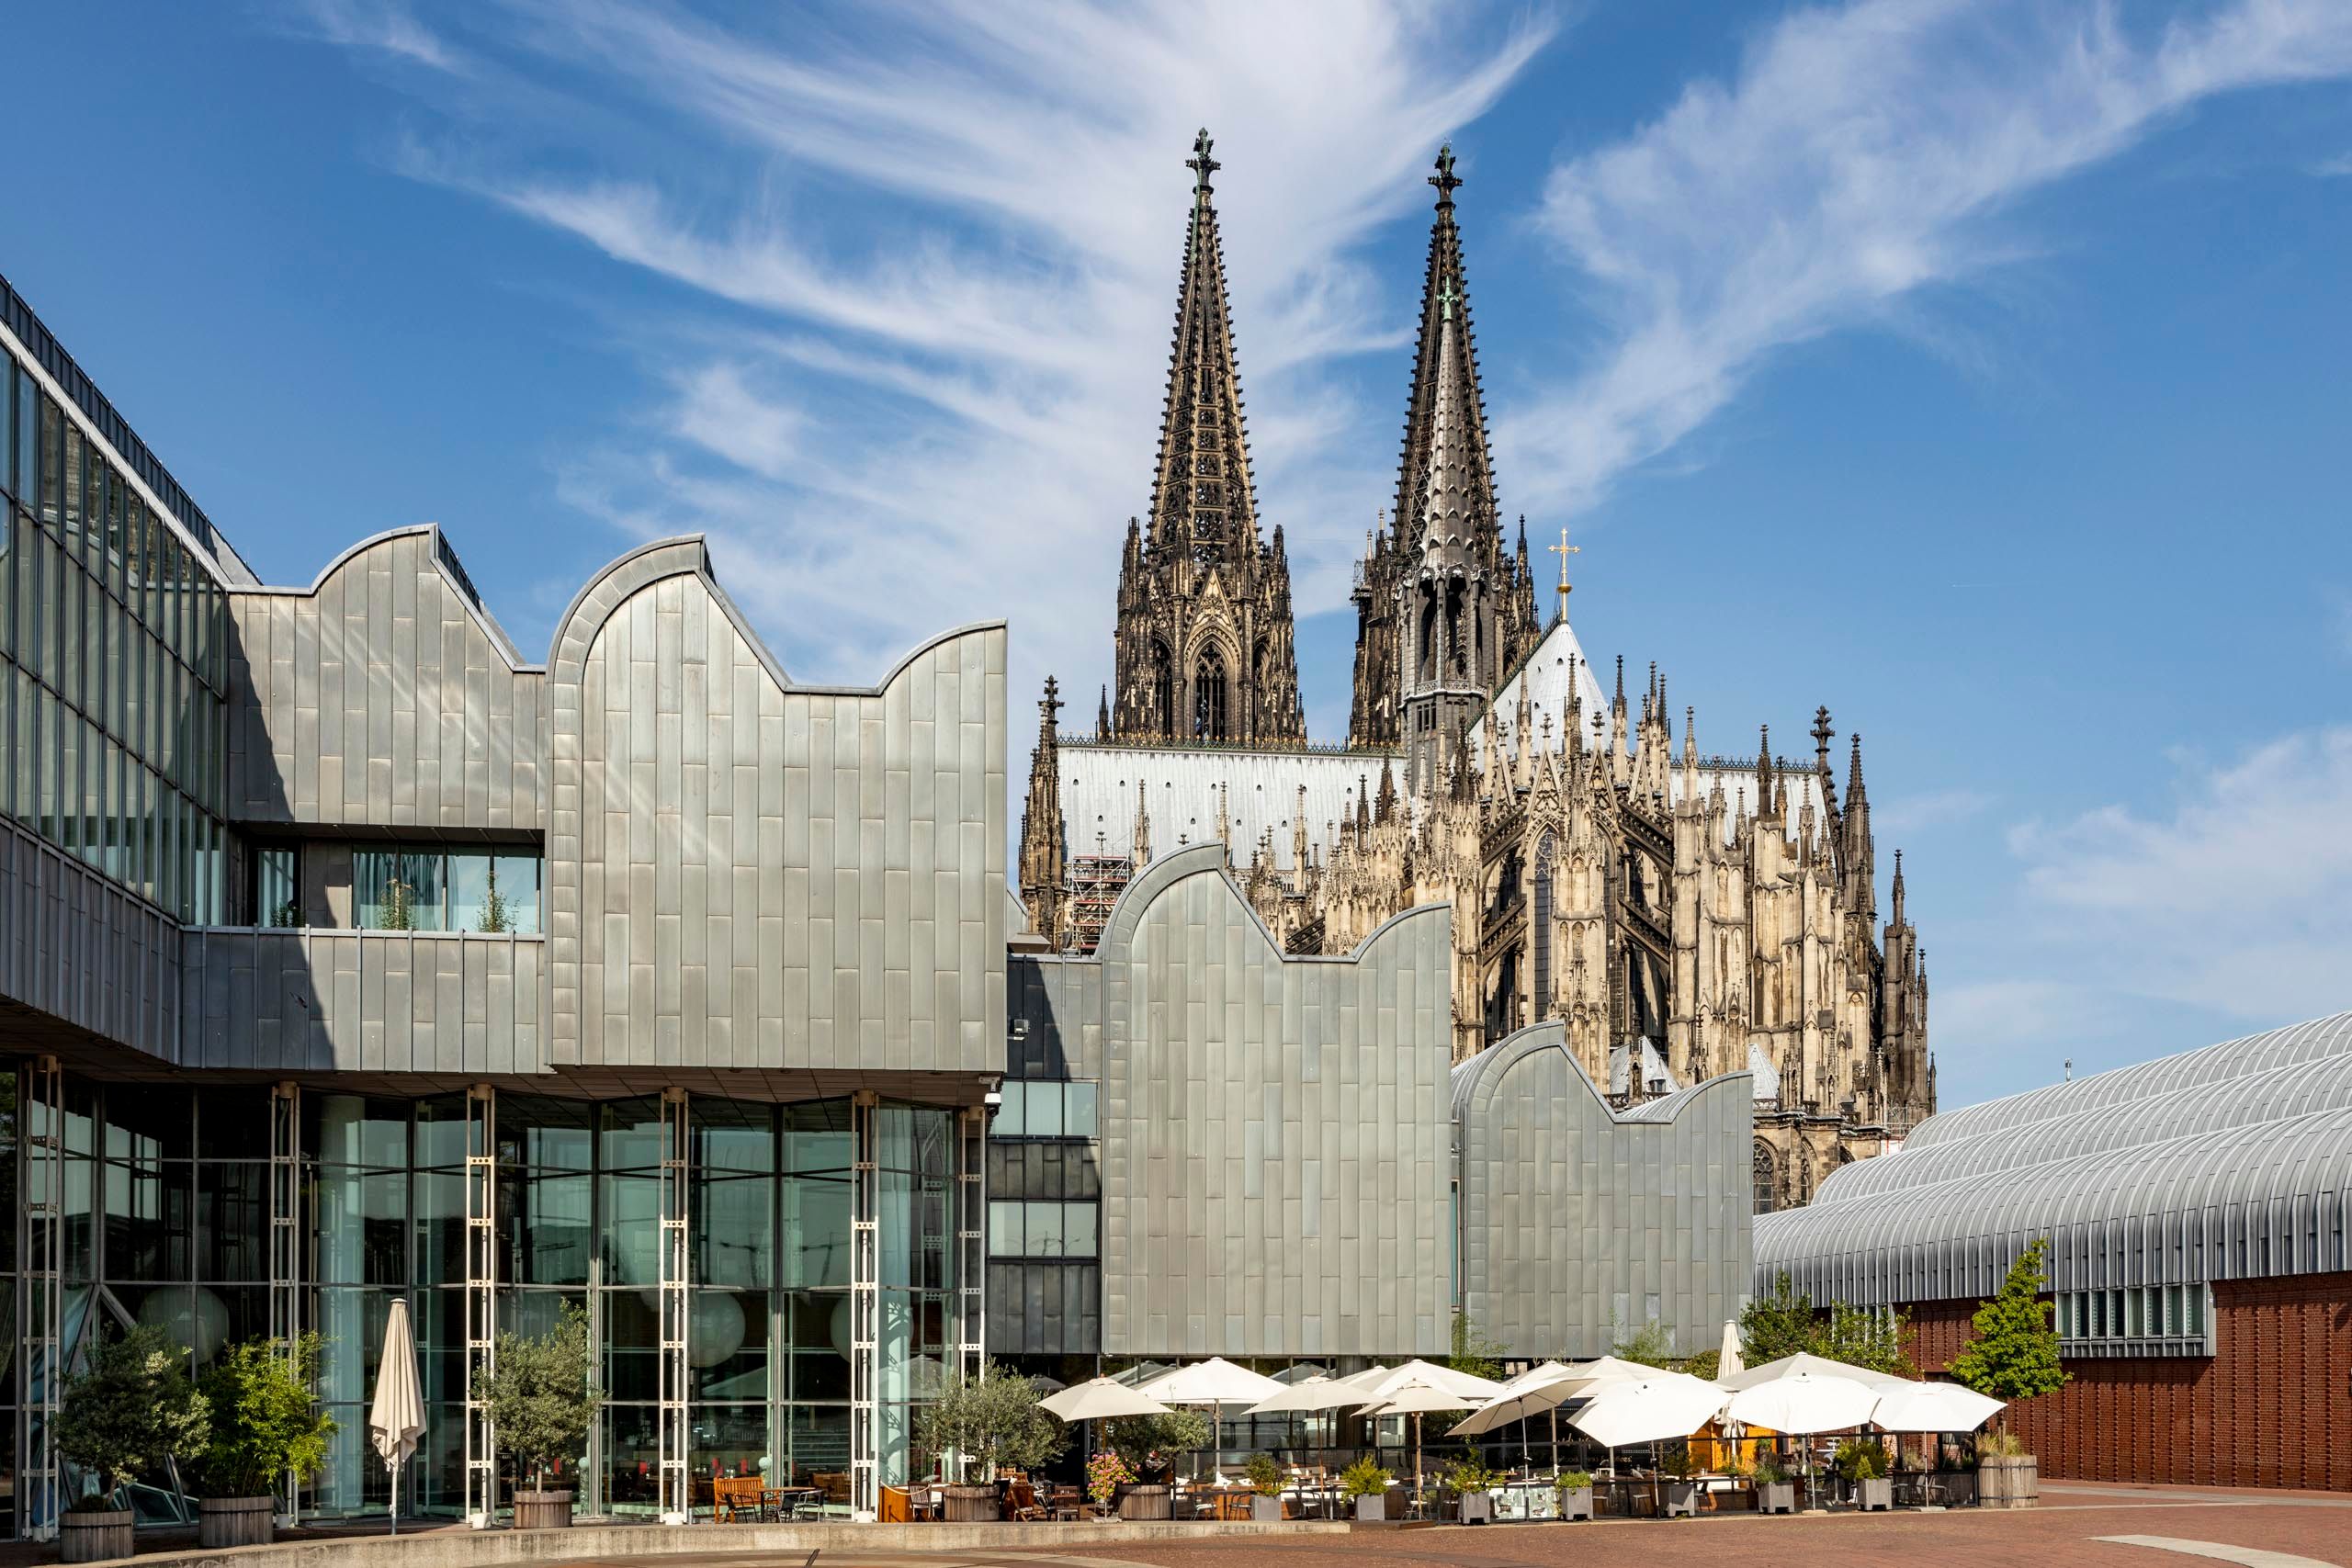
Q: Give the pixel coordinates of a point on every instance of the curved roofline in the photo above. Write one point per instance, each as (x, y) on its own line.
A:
(1494, 1064)
(1163, 872)
(515, 663)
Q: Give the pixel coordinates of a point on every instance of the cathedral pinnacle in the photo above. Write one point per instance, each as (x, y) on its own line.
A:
(1445, 180)
(1199, 163)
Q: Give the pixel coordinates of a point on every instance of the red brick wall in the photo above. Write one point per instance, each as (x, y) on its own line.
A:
(2271, 1407)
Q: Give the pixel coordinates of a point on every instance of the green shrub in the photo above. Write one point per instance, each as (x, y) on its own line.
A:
(1467, 1472)
(1861, 1459)
(132, 1409)
(1364, 1479)
(264, 1421)
(2003, 1444)
(1680, 1461)
(1265, 1476)
(1572, 1481)
(1149, 1443)
(1770, 1470)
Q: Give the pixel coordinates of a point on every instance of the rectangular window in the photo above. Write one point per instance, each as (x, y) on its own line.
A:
(277, 883)
(1079, 1222)
(1004, 1230)
(51, 450)
(1011, 1120)
(1044, 1224)
(2196, 1309)
(1079, 1118)
(27, 483)
(398, 889)
(1045, 1112)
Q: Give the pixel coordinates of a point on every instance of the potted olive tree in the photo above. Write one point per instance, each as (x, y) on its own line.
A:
(1266, 1483)
(266, 1425)
(1776, 1491)
(1149, 1444)
(541, 1400)
(1574, 1490)
(1470, 1481)
(1367, 1484)
(131, 1410)
(991, 1420)
(1861, 1464)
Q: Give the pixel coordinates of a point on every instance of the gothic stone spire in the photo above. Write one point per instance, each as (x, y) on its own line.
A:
(1044, 881)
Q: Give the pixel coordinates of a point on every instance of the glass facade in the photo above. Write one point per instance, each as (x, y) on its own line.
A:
(113, 656)
(167, 1214)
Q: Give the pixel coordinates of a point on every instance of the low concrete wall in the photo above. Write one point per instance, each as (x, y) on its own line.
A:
(446, 1548)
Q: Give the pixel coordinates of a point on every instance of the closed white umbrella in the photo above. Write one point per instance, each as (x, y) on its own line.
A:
(396, 1419)
(1100, 1399)
(1932, 1407)
(1728, 1363)
(1216, 1382)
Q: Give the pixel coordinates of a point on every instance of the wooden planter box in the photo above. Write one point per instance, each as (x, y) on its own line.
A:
(1875, 1492)
(95, 1538)
(1147, 1503)
(234, 1521)
(1266, 1510)
(2008, 1482)
(1776, 1496)
(1576, 1505)
(542, 1510)
(1372, 1507)
(967, 1504)
(1477, 1509)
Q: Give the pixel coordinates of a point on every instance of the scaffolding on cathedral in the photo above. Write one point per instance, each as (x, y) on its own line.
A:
(1096, 881)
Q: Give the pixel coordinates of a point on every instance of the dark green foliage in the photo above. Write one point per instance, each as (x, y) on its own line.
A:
(264, 1421)
(1149, 1443)
(541, 1397)
(993, 1420)
(1704, 1365)
(132, 1409)
(1646, 1345)
(1861, 1459)
(1364, 1479)
(2014, 1353)
(1777, 1324)
(1265, 1476)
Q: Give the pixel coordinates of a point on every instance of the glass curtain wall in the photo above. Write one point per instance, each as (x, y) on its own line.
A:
(166, 1221)
(112, 666)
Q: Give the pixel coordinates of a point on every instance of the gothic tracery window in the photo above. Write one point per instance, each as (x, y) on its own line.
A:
(1540, 934)
(1163, 690)
(1209, 698)
(1766, 1182)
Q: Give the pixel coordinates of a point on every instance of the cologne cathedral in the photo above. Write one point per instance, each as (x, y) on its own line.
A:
(1684, 915)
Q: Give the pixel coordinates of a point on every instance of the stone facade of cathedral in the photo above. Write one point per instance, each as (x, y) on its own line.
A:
(1684, 915)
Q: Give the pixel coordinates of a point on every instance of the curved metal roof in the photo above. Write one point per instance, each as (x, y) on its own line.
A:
(2232, 1162)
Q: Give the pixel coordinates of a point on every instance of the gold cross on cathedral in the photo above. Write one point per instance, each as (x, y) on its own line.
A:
(1564, 550)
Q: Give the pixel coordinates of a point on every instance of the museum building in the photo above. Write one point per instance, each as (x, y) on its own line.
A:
(348, 952)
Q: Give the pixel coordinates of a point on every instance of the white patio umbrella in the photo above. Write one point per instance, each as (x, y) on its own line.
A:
(1216, 1382)
(1932, 1407)
(1416, 1399)
(1805, 1361)
(1100, 1399)
(1653, 1409)
(1312, 1394)
(396, 1419)
(1474, 1389)
(1505, 1407)
(1801, 1396)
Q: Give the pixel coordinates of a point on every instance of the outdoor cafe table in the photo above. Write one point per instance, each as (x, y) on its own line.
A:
(785, 1499)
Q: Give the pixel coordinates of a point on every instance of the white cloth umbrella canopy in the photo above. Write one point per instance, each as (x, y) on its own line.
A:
(1473, 1390)
(1805, 1361)
(1728, 1363)
(1311, 1394)
(1529, 1394)
(1214, 1382)
(1655, 1409)
(1100, 1399)
(396, 1419)
(1932, 1407)
(1416, 1399)
(1804, 1401)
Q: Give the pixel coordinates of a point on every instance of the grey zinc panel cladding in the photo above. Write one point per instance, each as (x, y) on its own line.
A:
(732, 897)
(379, 697)
(1567, 1210)
(1181, 1014)
(74, 945)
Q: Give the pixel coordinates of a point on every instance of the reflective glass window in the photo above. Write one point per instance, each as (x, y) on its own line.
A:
(277, 899)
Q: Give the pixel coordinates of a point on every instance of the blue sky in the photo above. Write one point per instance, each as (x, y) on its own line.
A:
(1977, 369)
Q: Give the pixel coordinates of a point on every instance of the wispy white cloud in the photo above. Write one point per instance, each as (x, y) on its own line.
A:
(944, 250)
(2230, 903)
(1906, 815)
(2337, 167)
(379, 27)
(1859, 154)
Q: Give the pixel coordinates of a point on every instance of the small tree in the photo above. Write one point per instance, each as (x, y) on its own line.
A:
(1473, 1352)
(1704, 1365)
(1777, 1324)
(264, 1422)
(1864, 1337)
(1364, 1479)
(131, 1410)
(2014, 1352)
(542, 1398)
(1645, 1346)
(1149, 1443)
(993, 1420)
(397, 912)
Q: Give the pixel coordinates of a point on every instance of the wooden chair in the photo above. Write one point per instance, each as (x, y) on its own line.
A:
(1020, 1500)
(731, 1495)
(832, 1487)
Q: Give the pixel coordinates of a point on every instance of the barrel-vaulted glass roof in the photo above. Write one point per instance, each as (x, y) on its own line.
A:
(2229, 1162)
